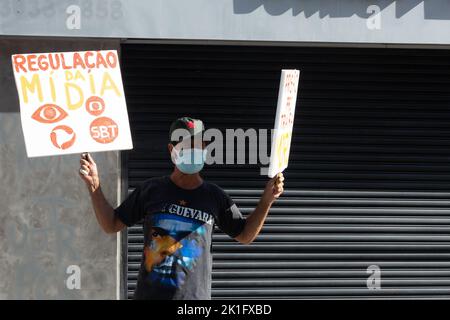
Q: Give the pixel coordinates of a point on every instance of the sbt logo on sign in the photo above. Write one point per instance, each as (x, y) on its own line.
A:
(104, 130)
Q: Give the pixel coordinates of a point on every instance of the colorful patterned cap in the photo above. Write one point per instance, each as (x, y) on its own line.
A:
(191, 127)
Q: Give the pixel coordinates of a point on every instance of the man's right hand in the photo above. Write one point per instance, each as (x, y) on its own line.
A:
(88, 172)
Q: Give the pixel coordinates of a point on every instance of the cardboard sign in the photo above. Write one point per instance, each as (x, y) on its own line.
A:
(71, 102)
(284, 122)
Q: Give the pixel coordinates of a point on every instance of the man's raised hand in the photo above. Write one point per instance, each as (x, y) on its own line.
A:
(274, 188)
(88, 172)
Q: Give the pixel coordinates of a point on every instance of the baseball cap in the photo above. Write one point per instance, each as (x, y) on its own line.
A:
(191, 128)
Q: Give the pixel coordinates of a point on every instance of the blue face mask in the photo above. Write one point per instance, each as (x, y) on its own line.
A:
(190, 161)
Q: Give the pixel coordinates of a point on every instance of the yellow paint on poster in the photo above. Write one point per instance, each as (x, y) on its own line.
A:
(32, 86)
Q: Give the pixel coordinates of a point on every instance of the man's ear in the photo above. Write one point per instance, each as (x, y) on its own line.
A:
(170, 147)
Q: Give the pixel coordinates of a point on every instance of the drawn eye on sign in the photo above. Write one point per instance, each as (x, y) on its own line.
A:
(49, 113)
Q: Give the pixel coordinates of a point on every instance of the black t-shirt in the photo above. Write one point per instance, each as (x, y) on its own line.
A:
(178, 225)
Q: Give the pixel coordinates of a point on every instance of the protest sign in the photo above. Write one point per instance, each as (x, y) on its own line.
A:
(71, 102)
(284, 122)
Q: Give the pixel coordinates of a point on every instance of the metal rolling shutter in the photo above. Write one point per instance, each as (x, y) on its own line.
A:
(368, 180)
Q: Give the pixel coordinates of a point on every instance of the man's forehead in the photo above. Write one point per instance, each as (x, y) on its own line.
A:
(189, 141)
(185, 133)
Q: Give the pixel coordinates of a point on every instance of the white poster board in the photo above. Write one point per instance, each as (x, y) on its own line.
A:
(284, 122)
(71, 102)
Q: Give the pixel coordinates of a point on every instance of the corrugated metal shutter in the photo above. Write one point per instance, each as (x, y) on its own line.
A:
(368, 180)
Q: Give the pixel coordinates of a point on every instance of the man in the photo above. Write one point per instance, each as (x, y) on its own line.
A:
(179, 212)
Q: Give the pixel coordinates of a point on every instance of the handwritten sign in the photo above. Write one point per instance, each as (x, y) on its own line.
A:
(71, 102)
(284, 122)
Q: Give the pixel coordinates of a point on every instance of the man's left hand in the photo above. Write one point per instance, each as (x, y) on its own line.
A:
(274, 188)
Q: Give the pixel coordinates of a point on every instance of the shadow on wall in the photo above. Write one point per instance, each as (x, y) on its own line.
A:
(433, 9)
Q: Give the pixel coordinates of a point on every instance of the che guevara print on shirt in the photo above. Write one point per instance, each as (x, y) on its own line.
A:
(174, 245)
(178, 225)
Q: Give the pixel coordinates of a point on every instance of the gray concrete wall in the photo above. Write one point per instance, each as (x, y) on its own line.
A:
(46, 219)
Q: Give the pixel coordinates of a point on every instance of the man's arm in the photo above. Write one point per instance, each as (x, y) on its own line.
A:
(104, 212)
(255, 221)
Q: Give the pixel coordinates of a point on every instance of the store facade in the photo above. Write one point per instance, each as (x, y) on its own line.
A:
(365, 211)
